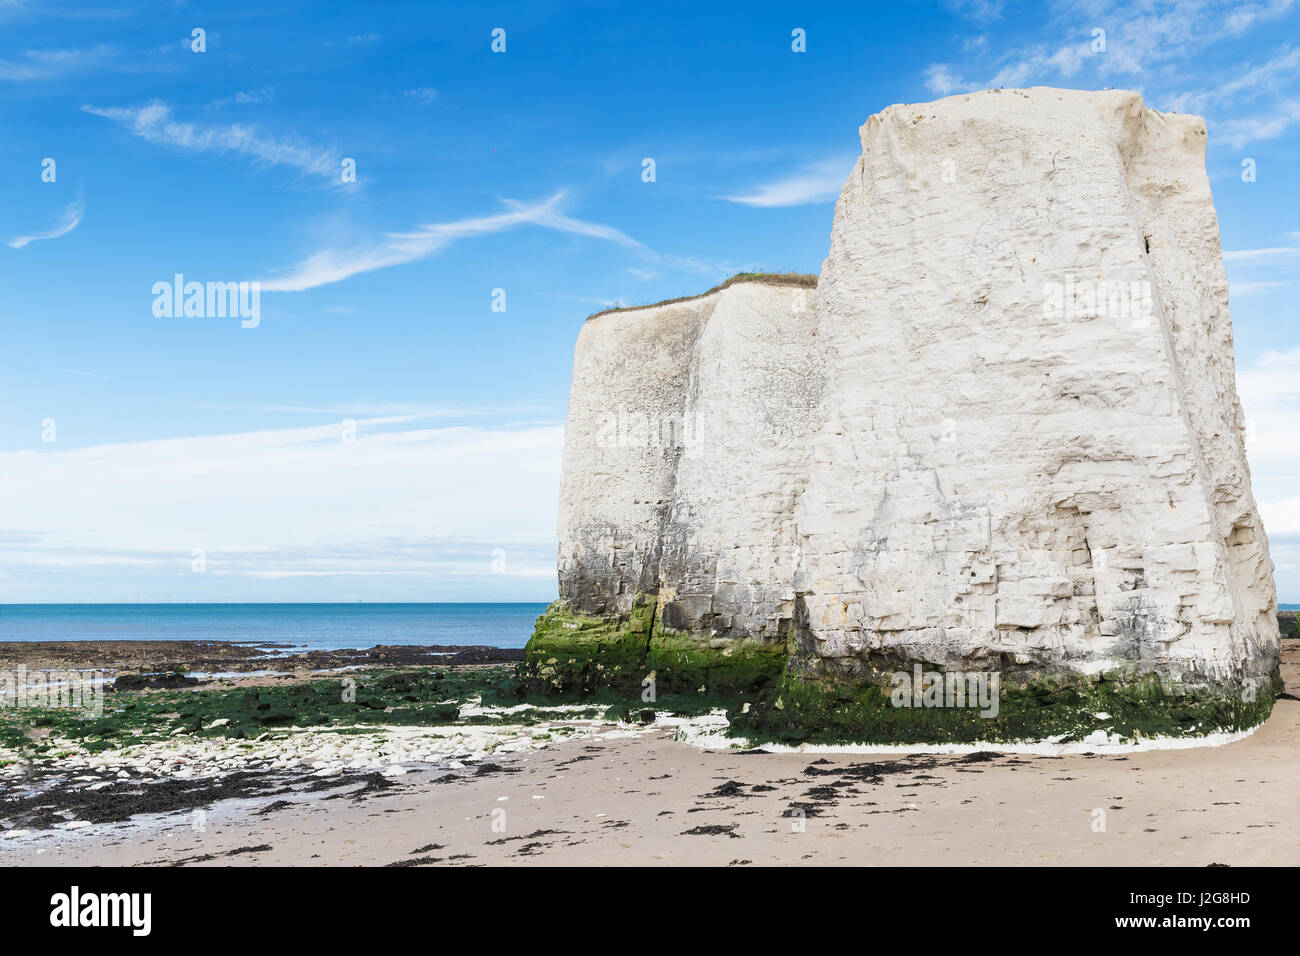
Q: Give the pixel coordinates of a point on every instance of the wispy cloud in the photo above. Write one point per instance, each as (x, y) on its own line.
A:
(69, 221)
(1143, 41)
(381, 413)
(1250, 82)
(42, 66)
(1270, 397)
(308, 502)
(73, 371)
(813, 183)
(1282, 517)
(399, 248)
(1249, 288)
(153, 122)
(1238, 132)
(980, 11)
(1023, 69)
(424, 95)
(942, 81)
(589, 300)
(1242, 16)
(1256, 255)
(245, 98)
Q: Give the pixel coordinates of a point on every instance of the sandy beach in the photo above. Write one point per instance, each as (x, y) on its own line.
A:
(617, 794)
(648, 799)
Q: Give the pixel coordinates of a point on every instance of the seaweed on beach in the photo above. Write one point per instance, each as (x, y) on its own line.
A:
(49, 798)
(714, 829)
(418, 697)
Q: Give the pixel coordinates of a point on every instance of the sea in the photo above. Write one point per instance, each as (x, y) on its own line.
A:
(300, 627)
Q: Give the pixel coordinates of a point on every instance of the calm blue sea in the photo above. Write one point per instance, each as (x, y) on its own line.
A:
(303, 626)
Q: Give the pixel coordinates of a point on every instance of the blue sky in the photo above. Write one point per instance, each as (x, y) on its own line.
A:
(184, 440)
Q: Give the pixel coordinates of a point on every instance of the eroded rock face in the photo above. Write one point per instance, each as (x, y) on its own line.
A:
(684, 455)
(1033, 440)
(1002, 434)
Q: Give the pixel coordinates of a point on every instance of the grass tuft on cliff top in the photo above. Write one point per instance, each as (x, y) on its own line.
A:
(803, 279)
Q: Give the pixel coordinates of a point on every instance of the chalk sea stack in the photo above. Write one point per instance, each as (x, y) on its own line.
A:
(999, 434)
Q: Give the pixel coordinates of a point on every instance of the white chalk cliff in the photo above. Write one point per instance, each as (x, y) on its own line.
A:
(1003, 429)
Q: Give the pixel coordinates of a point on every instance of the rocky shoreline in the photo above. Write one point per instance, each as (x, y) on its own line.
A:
(577, 656)
(154, 657)
(177, 726)
(1287, 624)
(168, 744)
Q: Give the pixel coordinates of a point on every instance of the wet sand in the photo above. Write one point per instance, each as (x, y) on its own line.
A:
(626, 798)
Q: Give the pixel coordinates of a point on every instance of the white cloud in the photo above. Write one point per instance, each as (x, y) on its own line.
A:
(981, 11)
(1255, 255)
(813, 183)
(153, 123)
(399, 248)
(1064, 62)
(1250, 288)
(1236, 133)
(1241, 83)
(69, 221)
(589, 300)
(1242, 16)
(1281, 517)
(41, 66)
(424, 95)
(400, 500)
(369, 409)
(1270, 398)
(1272, 378)
(941, 81)
(1144, 41)
(245, 98)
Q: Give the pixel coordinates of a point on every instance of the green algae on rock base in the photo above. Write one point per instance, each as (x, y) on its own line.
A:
(573, 653)
(769, 700)
(1128, 707)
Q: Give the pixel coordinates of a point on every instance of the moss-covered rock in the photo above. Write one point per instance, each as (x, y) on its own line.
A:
(683, 663)
(771, 695)
(806, 710)
(571, 653)
(577, 654)
(770, 700)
